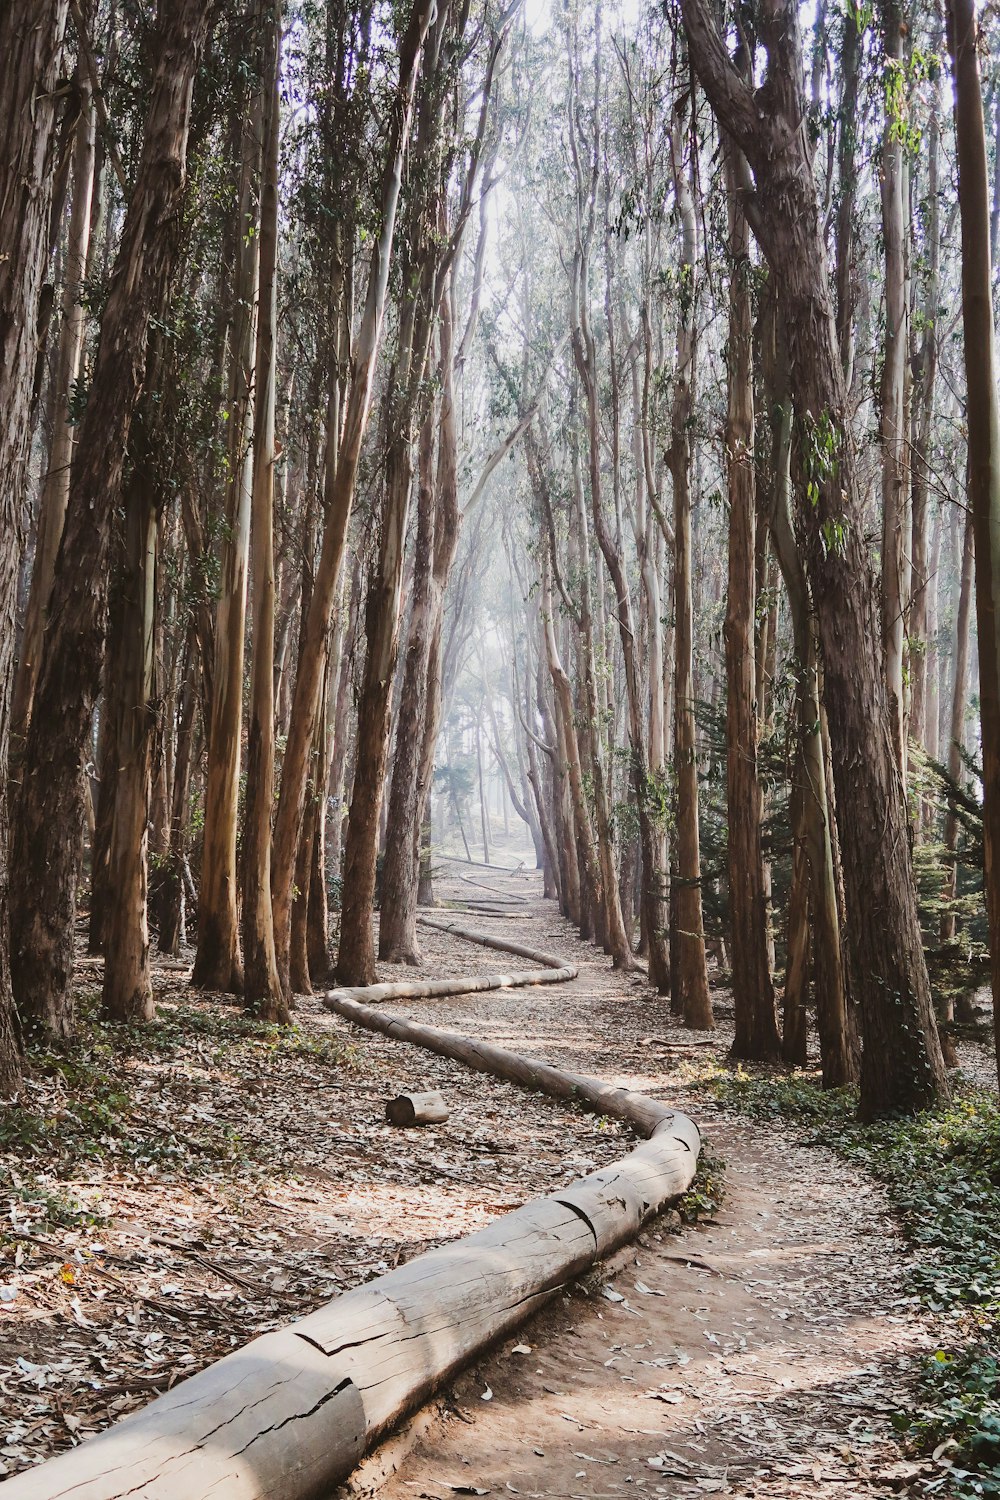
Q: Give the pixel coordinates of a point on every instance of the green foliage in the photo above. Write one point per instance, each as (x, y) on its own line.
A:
(819, 442)
(900, 78)
(87, 1100)
(942, 1174)
(707, 1193)
(961, 1408)
(930, 786)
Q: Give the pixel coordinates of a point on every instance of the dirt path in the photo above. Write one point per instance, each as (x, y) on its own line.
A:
(762, 1354)
(169, 1194)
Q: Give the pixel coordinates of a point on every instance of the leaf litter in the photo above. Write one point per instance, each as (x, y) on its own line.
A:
(170, 1192)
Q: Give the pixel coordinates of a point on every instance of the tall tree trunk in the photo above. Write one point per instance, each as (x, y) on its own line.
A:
(956, 737)
(55, 490)
(584, 851)
(172, 900)
(753, 988)
(926, 362)
(263, 992)
(356, 955)
(595, 717)
(689, 971)
(107, 772)
(813, 823)
(50, 814)
(895, 218)
(585, 355)
(847, 142)
(902, 1066)
(218, 963)
(398, 922)
(31, 63)
(128, 992)
(932, 676)
(339, 498)
(341, 726)
(984, 434)
(794, 1038)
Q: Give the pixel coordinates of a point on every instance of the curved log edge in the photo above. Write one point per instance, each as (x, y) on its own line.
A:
(295, 1411)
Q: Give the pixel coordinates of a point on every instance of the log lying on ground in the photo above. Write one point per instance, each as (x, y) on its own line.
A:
(293, 1412)
(555, 971)
(513, 898)
(490, 940)
(417, 1109)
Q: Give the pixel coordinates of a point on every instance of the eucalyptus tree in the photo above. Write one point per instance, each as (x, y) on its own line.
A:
(984, 429)
(218, 961)
(263, 990)
(49, 818)
(689, 971)
(31, 62)
(430, 243)
(753, 987)
(339, 486)
(902, 1065)
(72, 330)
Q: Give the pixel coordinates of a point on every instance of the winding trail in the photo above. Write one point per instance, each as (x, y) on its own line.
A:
(761, 1354)
(293, 1411)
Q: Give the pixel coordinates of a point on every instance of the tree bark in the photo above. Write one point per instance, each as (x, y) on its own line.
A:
(398, 922)
(902, 1067)
(263, 991)
(52, 507)
(895, 451)
(753, 988)
(688, 967)
(172, 902)
(983, 412)
(127, 993)
(340, 491)
(813, 823)
(31, 60)
(926, 381)
(847, 141)
(956, 737)
(50, 813)
(218, 963)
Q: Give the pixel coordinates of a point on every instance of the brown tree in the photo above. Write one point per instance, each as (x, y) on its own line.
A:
(262, 987)
(753, 989)
(902, 1066)
(689, 972)
(339, 499)
(49, 818)
(31, 36)
(984, 432)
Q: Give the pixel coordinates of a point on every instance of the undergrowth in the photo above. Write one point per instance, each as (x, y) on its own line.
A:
(942, 1174)
(705, 1196)
(142, 1097)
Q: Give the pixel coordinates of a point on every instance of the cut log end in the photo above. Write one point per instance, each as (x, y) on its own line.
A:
(417, 1109)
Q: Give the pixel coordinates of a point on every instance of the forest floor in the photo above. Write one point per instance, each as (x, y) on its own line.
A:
(171, 1193)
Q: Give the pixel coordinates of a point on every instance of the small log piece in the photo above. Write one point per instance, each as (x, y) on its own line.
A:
(417, 1109)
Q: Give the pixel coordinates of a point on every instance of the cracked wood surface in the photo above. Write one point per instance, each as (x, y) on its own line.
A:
(293, 1412)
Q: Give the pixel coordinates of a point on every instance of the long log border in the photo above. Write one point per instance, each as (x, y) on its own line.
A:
(293, 1412)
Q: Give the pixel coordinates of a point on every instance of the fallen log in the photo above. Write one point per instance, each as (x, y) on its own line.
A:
(489, 940)
(514, 898)
(417, 1109)
(293, 1412)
